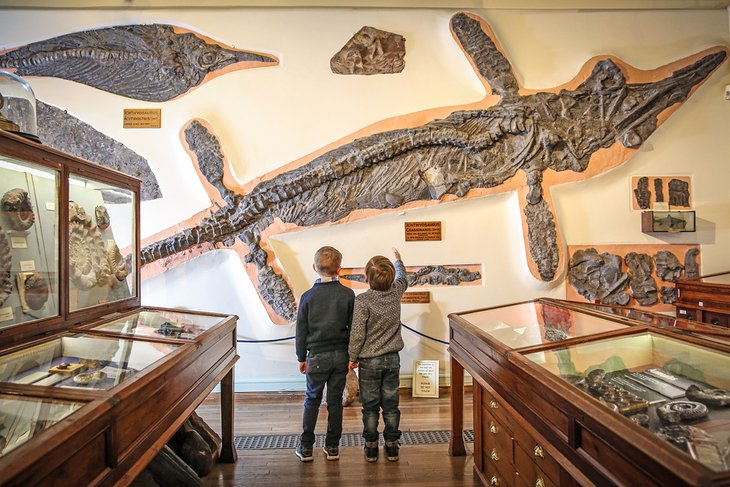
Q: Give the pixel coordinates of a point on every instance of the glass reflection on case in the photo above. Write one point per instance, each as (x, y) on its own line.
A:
(159, 324)
(81, 361)
(536, 323)
(22, 418)
(677, 390)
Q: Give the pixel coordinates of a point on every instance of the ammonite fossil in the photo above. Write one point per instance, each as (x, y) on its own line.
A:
(86, 378)
(18, 209)
(6, 287)
(90, 363)
(37, 290)
(642, 419)
(711, 397)
(102, 217)
(681, 410)
(87, 256)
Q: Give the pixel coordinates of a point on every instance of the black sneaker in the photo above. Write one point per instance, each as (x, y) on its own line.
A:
(332, 452)
(304, 453)
(371, 451)
(391, 450)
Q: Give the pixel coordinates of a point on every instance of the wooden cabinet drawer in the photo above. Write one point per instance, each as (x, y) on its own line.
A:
(718, 319)
(536, 452)
(530, 473)
(498, 477)
(497, 440)
(495, 407)
(686, 313)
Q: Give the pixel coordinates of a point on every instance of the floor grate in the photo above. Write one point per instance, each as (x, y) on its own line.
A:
(279, 442)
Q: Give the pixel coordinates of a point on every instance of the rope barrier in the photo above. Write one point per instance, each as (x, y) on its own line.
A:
(292, 338)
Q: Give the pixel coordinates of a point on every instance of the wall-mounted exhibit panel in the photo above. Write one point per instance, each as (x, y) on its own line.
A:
(637, 404)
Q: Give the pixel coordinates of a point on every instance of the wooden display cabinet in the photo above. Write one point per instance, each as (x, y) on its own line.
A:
(705, 298)
(92, 385)
(555, 385)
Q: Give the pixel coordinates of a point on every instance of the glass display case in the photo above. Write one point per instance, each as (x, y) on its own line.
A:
(81, 361)
(152, 323)
(23, 418)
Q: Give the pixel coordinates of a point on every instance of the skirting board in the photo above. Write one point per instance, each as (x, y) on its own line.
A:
(289, 384)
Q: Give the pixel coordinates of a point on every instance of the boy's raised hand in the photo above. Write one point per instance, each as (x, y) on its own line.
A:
(396, 254)
(303, 367)
(353, 365)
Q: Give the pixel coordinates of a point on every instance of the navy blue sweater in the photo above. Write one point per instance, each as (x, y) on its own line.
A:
(324, 319)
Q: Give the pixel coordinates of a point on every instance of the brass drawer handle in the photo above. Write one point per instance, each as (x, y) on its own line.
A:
(494, 480)
(492, 427)
(539, 451)
(493, 404)
(539, 482)
(494, 455)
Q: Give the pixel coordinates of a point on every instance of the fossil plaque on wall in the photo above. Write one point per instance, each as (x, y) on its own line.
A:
(371, 51)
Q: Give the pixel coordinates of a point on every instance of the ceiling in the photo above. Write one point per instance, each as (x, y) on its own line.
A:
(452, 4)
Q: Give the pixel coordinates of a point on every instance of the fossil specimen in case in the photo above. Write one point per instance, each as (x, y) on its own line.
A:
(101, 215)
(154, 62)
(18, 209)
(504, 146)
(371, 51)
(87, 256)
(6, 286)
(37, 291)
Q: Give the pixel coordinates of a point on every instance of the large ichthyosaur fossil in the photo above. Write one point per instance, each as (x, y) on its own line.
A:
(153, 62)
(515, 139)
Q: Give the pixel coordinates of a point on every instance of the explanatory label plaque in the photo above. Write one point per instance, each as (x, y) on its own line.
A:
(142, 118)
(425, 378)
(416, 297)
(423, 231)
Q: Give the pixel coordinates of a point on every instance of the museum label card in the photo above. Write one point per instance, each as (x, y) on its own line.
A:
(6, 313)
(423, 231)
(633, 387)
(18, 242)
(142, 118)
(668, 390)
(50, 206)
(416, 297)
(27, 265)
(425, 378)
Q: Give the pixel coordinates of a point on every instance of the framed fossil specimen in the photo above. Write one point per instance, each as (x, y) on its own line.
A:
(657, 192)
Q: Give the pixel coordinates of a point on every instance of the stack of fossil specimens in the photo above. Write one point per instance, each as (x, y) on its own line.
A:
(602, 278)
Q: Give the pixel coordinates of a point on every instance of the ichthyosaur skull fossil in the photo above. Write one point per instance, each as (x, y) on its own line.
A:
(506, 142)
(154, 62)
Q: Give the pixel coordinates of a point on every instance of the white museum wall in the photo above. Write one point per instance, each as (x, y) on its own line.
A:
(268, 117)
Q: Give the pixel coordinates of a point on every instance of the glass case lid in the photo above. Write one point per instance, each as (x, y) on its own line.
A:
(81, 361)
(22, 418)
(676, 389)
(161, 324)
(537, 323)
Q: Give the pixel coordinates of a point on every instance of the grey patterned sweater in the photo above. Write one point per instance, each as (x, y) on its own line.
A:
(376, 319)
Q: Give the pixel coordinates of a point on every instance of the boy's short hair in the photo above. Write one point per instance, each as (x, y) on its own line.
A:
(380, 272)
(327, 261)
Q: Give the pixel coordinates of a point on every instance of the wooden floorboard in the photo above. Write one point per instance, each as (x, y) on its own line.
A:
(281, 413)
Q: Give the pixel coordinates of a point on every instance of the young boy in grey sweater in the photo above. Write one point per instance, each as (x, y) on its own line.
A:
(375, 340)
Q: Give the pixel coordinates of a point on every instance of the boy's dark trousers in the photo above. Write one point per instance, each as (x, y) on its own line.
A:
(379, 381)
(324, 368)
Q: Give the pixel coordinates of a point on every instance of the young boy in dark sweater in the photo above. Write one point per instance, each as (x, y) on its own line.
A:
(323, 332)
(375, 340)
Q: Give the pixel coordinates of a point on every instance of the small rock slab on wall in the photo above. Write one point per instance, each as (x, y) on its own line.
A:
(371, 51)
(655, 264)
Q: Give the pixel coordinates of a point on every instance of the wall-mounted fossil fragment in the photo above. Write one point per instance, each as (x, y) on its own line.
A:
(598, 277)
(642, 193)
(668, 267)
(658, 190)
(678, 193)
(18, 209)
(668, 294)
(6, 286)
(422, 276)
(691, 267)
(371, 51)
(642, 284)
(153, 62)
(61, 130)
(101, 215)
(503, 145)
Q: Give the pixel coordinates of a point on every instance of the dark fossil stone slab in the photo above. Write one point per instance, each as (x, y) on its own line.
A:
(61, 130)
(678, 193)
(598, 277)
(691, 267)
(668, 267)
(371, 51)
(471, 149)
(209, 156)
(643, 286)
(432, 275)
(668, 294)
(659, 190)
(642, 193)
(147, 62)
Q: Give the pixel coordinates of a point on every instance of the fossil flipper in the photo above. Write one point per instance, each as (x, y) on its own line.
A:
(496, 146)
(153, 62)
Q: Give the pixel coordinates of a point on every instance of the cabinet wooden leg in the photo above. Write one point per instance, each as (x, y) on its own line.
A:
(228, 449)
(456, 442)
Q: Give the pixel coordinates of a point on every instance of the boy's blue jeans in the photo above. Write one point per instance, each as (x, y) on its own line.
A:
(379, 381)
(324, 368)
